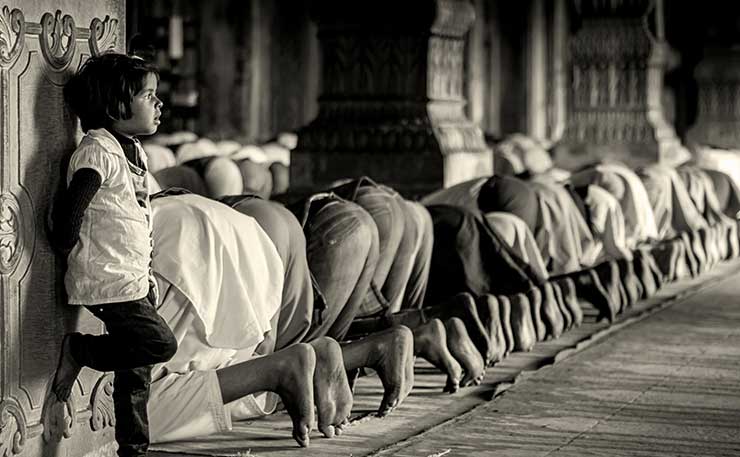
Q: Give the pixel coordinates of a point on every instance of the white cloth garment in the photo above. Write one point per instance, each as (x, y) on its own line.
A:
(516, 234)
(221, 282)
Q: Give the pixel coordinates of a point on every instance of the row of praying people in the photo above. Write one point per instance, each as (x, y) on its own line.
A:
(469, 281)
(229, 307)
(226, 167)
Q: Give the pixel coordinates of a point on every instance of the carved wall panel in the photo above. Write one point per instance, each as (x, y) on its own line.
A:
(392, 88)
(718, 117)
(617, 65)
(41, 44)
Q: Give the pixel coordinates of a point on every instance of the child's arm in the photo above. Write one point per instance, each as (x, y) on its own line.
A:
(68, 212)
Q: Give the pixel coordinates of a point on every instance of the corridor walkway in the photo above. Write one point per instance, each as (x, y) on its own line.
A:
(667, 386)
(664, 380)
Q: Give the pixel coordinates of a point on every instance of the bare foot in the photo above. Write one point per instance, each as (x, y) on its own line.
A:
(521, 323)
(294, 375)
(568, 287)
(391, 354)
(630, 282)
(504, 307)
(463, 306)
(67, 371)
(550, 312)
(490, 316)
(609, 275)
(464, 351)
(331, 391)
(535, 307)
(430, 343)
(644, 274)
(560, 300)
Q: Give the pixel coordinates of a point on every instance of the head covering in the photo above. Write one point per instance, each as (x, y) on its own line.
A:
(276, 152)
(198, 150)
(251, 152)
(532, 153)
(227, 147)
(158, 157)
(288, 139)
(222, 177)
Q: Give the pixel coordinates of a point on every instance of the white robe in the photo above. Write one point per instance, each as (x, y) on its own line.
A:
(221, 281)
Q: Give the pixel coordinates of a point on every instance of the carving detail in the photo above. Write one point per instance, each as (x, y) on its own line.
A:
(103, 35)
(102, 404)
(12, 428)
(58, 39)
(12, 34)
(10, 240)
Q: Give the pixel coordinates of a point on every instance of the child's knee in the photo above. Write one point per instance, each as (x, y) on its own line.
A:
(164, 348)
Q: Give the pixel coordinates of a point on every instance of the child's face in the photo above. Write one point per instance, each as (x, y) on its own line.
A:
(145, 111)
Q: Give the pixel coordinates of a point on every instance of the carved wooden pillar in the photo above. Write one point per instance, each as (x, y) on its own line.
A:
(617, 65)
(392, 104)
(718, 116)
(41, 44)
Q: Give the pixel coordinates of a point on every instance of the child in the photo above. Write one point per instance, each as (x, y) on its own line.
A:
(102, 224)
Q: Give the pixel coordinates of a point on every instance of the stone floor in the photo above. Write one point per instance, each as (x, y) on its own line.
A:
(664, 383)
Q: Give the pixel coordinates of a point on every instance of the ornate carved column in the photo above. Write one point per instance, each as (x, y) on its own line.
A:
(718, 116)
(617, 65)
(392, 100)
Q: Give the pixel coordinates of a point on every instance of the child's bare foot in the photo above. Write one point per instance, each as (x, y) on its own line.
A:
(332, 394)
(294, 374)
(391, 354)
(430, 343)
(464, 351)
(67, 371)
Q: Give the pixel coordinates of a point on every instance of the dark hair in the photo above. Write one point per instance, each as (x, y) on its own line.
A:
(103, 88)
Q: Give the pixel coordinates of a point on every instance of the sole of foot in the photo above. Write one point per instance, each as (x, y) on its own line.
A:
(464, 351)
(332, 394)
(430, 343)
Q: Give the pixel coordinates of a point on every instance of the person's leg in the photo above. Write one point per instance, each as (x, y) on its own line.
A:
(418, 280)
(137, 338)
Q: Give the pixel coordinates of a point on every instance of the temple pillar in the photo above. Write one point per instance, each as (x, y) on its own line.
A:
(618, 58)
(392, 103)
(718, 114)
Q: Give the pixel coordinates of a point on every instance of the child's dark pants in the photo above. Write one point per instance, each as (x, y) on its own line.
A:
(137, 338)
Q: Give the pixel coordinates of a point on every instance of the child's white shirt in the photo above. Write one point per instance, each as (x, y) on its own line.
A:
(111, 261)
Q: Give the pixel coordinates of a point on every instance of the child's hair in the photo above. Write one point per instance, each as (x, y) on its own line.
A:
(102, 90)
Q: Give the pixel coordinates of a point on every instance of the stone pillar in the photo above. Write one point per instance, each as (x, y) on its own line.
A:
(537, 71)
(617, 66)
(392, 103)
(718, 116)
